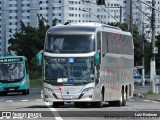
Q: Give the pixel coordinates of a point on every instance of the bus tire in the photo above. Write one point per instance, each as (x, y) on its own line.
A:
(28, 91)
(124, 98)
(100, 103)
(122, 102)
(119, 103)
(24, 92)
(3, 93)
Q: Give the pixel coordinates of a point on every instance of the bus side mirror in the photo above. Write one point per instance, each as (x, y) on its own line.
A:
(96, 59)
(39, 57)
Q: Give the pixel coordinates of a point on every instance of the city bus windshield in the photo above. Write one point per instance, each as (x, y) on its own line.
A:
(69, 43)
(11, 71)
(69, 70)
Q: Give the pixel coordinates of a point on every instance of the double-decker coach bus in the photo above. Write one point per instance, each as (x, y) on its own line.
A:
(14, 75)
(87, 63)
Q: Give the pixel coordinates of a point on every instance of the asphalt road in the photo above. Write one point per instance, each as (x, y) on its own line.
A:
(17, 106)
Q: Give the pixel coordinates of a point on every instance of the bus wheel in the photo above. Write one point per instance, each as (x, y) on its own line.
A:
(99, 104)
(24, 92)
(28, 91)
(124, 98)
(122, 102)
(3, 93)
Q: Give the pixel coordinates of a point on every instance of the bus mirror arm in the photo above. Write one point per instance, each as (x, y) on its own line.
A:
(39, 57)
(97, 58)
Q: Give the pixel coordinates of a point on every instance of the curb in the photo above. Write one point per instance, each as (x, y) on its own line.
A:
(142, 96)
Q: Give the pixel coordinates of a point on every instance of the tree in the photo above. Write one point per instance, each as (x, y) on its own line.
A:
(28, 41)
(55, 21)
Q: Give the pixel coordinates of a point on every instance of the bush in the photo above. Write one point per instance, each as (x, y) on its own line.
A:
(35, 74)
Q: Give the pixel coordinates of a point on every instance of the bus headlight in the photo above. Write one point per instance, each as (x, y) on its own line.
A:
(87, 89)
(23, 82)
(49, 89)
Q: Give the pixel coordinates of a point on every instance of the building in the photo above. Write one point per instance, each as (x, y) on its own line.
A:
(12, 11)
(142, 16)
(79, 11)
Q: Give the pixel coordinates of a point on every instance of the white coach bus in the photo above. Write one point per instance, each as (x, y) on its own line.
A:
(87, 63)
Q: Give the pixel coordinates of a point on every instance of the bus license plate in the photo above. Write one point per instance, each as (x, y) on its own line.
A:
(11, 89)
(67, 96)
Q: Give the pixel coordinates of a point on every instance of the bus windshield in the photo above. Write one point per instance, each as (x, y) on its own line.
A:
(69, 70)
(69, 43)
(11, 71)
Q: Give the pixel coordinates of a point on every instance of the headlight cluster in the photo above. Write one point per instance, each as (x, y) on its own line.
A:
(49, 89)
(87, 89)
(23, 82)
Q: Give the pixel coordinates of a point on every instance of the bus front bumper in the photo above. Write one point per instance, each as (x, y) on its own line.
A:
(79, 97)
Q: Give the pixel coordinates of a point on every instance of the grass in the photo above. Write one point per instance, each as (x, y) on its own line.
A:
(36, 83)
(151, 96)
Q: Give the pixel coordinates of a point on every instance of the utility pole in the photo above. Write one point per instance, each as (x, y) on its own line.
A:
(131, 17)
(143, 69)
(120, 14)
(152, 63)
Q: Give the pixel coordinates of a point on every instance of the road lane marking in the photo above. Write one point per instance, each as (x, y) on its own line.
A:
(42, 94)
(38, 100)
(9, 100)
(57, 116)
(146, 100)
(155, 101)
(24, 100)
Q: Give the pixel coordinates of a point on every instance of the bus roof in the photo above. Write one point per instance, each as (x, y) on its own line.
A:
(84, 28)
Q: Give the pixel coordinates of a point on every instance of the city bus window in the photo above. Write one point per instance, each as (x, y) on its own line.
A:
(69, 43)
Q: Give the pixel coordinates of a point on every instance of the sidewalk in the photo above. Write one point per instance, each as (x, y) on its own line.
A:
(143, 92)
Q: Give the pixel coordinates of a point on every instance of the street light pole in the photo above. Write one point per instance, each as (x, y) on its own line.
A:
(131, 17)
(152, 63)
(120, 14)
(143, 69)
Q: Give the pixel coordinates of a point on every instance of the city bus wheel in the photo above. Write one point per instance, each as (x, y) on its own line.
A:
(3, 93)
(124, 98)
(100, 103)
(122, 102)
(24, 92)
(28, 91)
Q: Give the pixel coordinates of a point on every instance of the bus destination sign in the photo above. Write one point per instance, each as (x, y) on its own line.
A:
(10, 60)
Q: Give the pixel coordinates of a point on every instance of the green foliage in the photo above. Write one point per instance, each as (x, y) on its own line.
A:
(29, 40)
(36, 83)
(35, 74)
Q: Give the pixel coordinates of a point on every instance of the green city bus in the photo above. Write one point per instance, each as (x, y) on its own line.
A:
(14, 76)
